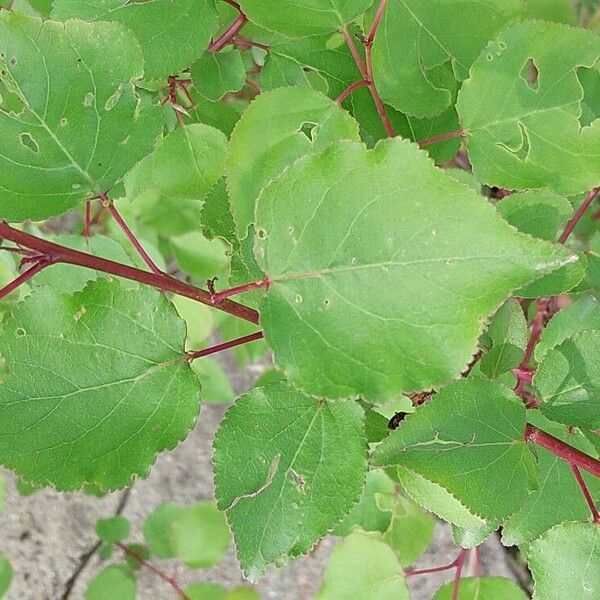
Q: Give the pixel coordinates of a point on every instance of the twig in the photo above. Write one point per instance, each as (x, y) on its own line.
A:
(351, 89)
(227, 36)
(40, 264)
(436, 139)
(577, 216)
(225, 346)
(586, 493)
(218, 297)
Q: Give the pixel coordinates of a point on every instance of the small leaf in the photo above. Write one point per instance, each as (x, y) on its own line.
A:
(532, 136)
(217, 73)
(6, 574)
(565, 562)
(334, 260)
(206, 591)
(484, 588)
(200, 536)
(112, 583)
(216, 386)
(299, 470)
(468, 439)
(243, 593)
(363, 566)
(112, 530)
(157, 530)
(78, 128)
(568, 381)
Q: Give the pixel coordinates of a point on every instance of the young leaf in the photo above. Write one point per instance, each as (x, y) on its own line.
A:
(114, 529)
(469, 440)
(483, 588)
(6, 574)
(416, 37)
(217, 73)
(568, 381)
(112, 583)
(531, 136)
(300, 120)
(309, 17)
(298, 470)
(565, 562)
(78, 127)
(363, 566)
(172, 33)
(199, 535)
(157, 530)
(335, 315)
(97, 386)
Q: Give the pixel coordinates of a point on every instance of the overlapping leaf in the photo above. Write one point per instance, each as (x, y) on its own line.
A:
(382, 270)
(482, 588)
(75, 126)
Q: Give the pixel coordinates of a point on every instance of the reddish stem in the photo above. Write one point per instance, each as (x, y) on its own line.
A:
(351, 89)
(87, 227)
(586, 493)
(460, 562)
(436, 139)
(477, 562)
(156, 571)
(128, 233)
(455, 563)
(376, 22)
(562, 450)
(161, 281)
(381, 111)
(537, 328)
(577, 216)
(355, 53)
(227, 36)
(225, 346)
(24, 277)
(234, 4)
(218, 297)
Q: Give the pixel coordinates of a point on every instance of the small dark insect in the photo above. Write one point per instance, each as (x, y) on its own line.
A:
(210, 284)
(396, 420)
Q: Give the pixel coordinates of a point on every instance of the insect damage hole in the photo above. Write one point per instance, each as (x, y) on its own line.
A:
(309, 130)
(530, 74)
(29, 142)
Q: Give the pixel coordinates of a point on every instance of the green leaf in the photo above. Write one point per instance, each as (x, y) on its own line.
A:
(243, 593)
(363, 566)
(531, 137)
(541, 213)
(172, 33)
(300, 120)
(95, 391)
(200, 536)
(484, 588)
(565, 562)
(298, 471)
(470, 538)
(416, 37)
(568, 381)
(216, 387)
(558, 497)
(157, 530)
(77, 127)
(309, 17)
(281, 71)
(559, 282)
(199, 320)
(199, 257)
(136, 550)
(6, 574)
(582, 315)
(560, 11)
(113, 529)
(468, 439)
(335, 316)
(206, 591)
(186, 164)
(217, 73)
(112, 583)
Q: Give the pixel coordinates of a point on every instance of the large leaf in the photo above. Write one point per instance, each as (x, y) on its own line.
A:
(303, 18)
(565, 563)
(363, 566)
(418, 36)
(531, 135)
(97, 386)
(172, 33)
(287, 469)
(377, 286)
(299, 120)
(469, 440)
(568, 381)
(75, 125)
(484, 588)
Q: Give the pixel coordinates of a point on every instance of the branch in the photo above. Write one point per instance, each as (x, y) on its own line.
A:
(577, 216)
(436, 139)
(218, 297)
(460, 562)
(227, 36)
(351, 89)
(40, 264)
(161, 281)
(225, 346)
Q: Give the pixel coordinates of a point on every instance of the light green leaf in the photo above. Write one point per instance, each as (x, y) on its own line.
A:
(217, 73)
(416, 37)
(200, 536)
(243, 593)
(108, 392)
(300, 120)
(363, 566)
(298, 470)
(206, 591)
(335, 316)
(558, 282)
(582, 315)
(199, 320)
(199, 257)
(568, 381)
(112, 583)
(6, 574)
(157, 530)
(470, 538)
(484, 588)
(216, 387)
(281, 71)
(79, 127)
(531, 136)
(172, 33)
(306, 18)
(113, 529)
(565, 562)
(561, 11)
(468, 439)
